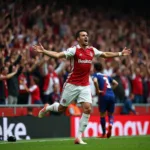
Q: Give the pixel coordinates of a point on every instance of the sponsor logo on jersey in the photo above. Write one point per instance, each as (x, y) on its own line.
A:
(84, 61)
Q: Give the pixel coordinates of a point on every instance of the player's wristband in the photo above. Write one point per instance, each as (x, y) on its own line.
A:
(120, 53)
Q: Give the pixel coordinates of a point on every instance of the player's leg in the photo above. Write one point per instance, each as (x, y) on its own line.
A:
(85, 100)
(55, 107)
(110, 109)
(103, 123)
(69, 93)
(83, 121)
(102, 108)
(111, 120)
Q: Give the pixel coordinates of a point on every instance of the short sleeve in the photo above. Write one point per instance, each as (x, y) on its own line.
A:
(70, 52)
(94, 76)
(97, 52)
(133, 76)
(31, 89)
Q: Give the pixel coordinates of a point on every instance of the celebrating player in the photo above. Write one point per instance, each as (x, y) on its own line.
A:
(106, 102)
(77, 84)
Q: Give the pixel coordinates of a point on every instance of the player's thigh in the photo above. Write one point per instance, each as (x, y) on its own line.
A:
(70, 93)
(85, 95)
(102, 105)
(111, 105)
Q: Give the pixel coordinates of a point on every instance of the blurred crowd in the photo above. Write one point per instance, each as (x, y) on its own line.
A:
(30, 78)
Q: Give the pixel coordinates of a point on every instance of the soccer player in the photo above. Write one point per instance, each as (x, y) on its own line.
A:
(77, 83)
(106, 98)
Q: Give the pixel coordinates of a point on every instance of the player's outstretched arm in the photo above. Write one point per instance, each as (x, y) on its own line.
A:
(125, 52)
(40, 49)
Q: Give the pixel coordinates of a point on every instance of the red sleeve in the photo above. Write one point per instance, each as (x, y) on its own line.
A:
(46, 82)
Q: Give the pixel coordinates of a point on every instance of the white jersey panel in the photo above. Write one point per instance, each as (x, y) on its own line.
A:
(70, 52)
(97, 52)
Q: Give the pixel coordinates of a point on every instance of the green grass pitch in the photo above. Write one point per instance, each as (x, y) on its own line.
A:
(114, 143)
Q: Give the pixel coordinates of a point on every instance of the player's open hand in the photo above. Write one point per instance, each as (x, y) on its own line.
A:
(126, 51)
(38, 48)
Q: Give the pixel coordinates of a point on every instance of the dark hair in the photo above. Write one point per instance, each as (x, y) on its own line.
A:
(78, 32)
(98, 67)
(35, 79)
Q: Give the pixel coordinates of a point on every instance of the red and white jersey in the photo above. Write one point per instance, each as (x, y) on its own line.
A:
(49, 80)
(137, 84)
(35, 93)
(81, 60)
(22, 78)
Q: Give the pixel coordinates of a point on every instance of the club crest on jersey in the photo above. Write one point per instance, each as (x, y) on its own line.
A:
(91, 54)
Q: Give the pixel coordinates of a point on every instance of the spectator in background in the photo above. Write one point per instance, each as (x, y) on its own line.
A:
(34, 91)
(148, 98)
(108, 70)
(3, 84)
(55, 95)
(50, 79)
(13, 85)
(125, 81)
(66, 71)
(128, 105)
(23, 94)
(29, 111)
(119, 90)
(137, 85)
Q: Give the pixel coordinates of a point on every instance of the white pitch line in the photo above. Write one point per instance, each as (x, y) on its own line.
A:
(67, 139)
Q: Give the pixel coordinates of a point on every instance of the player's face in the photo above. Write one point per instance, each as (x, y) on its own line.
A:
(83, 39)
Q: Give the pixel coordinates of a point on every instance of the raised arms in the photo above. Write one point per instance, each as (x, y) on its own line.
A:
(40, 49)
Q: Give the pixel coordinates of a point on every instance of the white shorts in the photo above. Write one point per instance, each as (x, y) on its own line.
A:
(73, 92)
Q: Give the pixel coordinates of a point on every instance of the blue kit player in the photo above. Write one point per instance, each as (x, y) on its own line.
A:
(106, 99)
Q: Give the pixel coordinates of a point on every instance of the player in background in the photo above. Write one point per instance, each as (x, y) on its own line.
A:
(77, 83)
(104, 86)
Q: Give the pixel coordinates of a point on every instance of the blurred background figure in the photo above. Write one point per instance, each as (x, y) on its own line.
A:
(108, 70)
(34, 91)
(29, 111)
(128, 106)
(137, 84)
(55, 95)
(73, 109)
(119, 90)
(4, 76)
